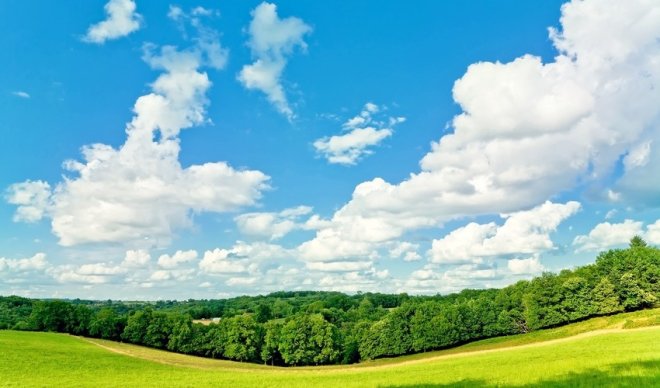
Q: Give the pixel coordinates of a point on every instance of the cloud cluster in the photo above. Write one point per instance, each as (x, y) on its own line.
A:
(607, 235)
(139, 193)
(522, 233)
(121, 21)
(36, 262)
(178, 258)
(32, 199)
(275, 225)
(360, 133)
(272, 41)
(528, 131)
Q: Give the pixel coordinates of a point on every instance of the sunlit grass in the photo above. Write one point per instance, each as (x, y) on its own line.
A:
(618, 358)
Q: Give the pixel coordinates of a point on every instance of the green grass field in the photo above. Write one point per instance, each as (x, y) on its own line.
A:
(622, 350)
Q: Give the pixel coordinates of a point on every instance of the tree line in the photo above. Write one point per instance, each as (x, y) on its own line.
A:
(314, 328)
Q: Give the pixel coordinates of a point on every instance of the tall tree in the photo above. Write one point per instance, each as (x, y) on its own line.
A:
(309, 339)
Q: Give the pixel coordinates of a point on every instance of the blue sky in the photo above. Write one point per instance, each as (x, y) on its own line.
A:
(206, 149)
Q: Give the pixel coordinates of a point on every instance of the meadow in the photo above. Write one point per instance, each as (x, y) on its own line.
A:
(620, 350)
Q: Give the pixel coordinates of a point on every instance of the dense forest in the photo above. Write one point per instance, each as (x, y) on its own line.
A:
(313, 328)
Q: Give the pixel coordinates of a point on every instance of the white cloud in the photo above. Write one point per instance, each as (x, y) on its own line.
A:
(431, 280)
(530, 266)
(138, 258)
(462, 245)
(652, 234)
(175, 13)
(241, 281)
(347, 149)
(272, 41)
(339, 266)
(121, 21)
(638, 156)
(21, 94)
(405, 250)
(139, 193)
(178, 258)
(242, 257)
(352, 282)
(69, 275)
(218, 261)
(610, 214)
(179, 275)
(606, 235)
(100, 269)
(273, 225)
(94, 273)
(524, 232)
(32, 198)
(361, 132)
(36, 262)
(502, 155)
(201, 11)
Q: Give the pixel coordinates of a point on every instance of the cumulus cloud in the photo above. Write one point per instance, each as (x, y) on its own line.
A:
(121, 21)
(360, 133)
(241, 258)
(405, 250)
(339, 266)
(138, 258)
(37, 262)
(94, 273)
(178, 275)
(241, 281)
(530, 266)
(178, 258)
(524, 232)
(430, 279)
(274, 225)
(272, 40)
(652, 234)
(32, 199)
(502, 155)
(607, 235)
(354, 281)
(139, 193)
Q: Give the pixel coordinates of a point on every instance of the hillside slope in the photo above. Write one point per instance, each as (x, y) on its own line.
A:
(609, 355)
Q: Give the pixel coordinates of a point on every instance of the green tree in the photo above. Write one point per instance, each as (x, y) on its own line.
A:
(637, 242)
(281, 309)
(81, 317)
(270, 352)
(633, 294)
(309, 339)
(242, 338)
(213, 344)
(264, 313)
(425, 334)
(105, 324)
(137, 325)
(543, 302)
(158, 331)
(605, 298)
(181, 336)
(51, 316)
(577, 297)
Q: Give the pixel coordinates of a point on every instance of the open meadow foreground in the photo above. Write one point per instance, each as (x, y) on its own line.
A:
(328, 193)
(595, 353)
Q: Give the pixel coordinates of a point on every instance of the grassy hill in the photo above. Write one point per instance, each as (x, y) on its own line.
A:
(621, 350)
